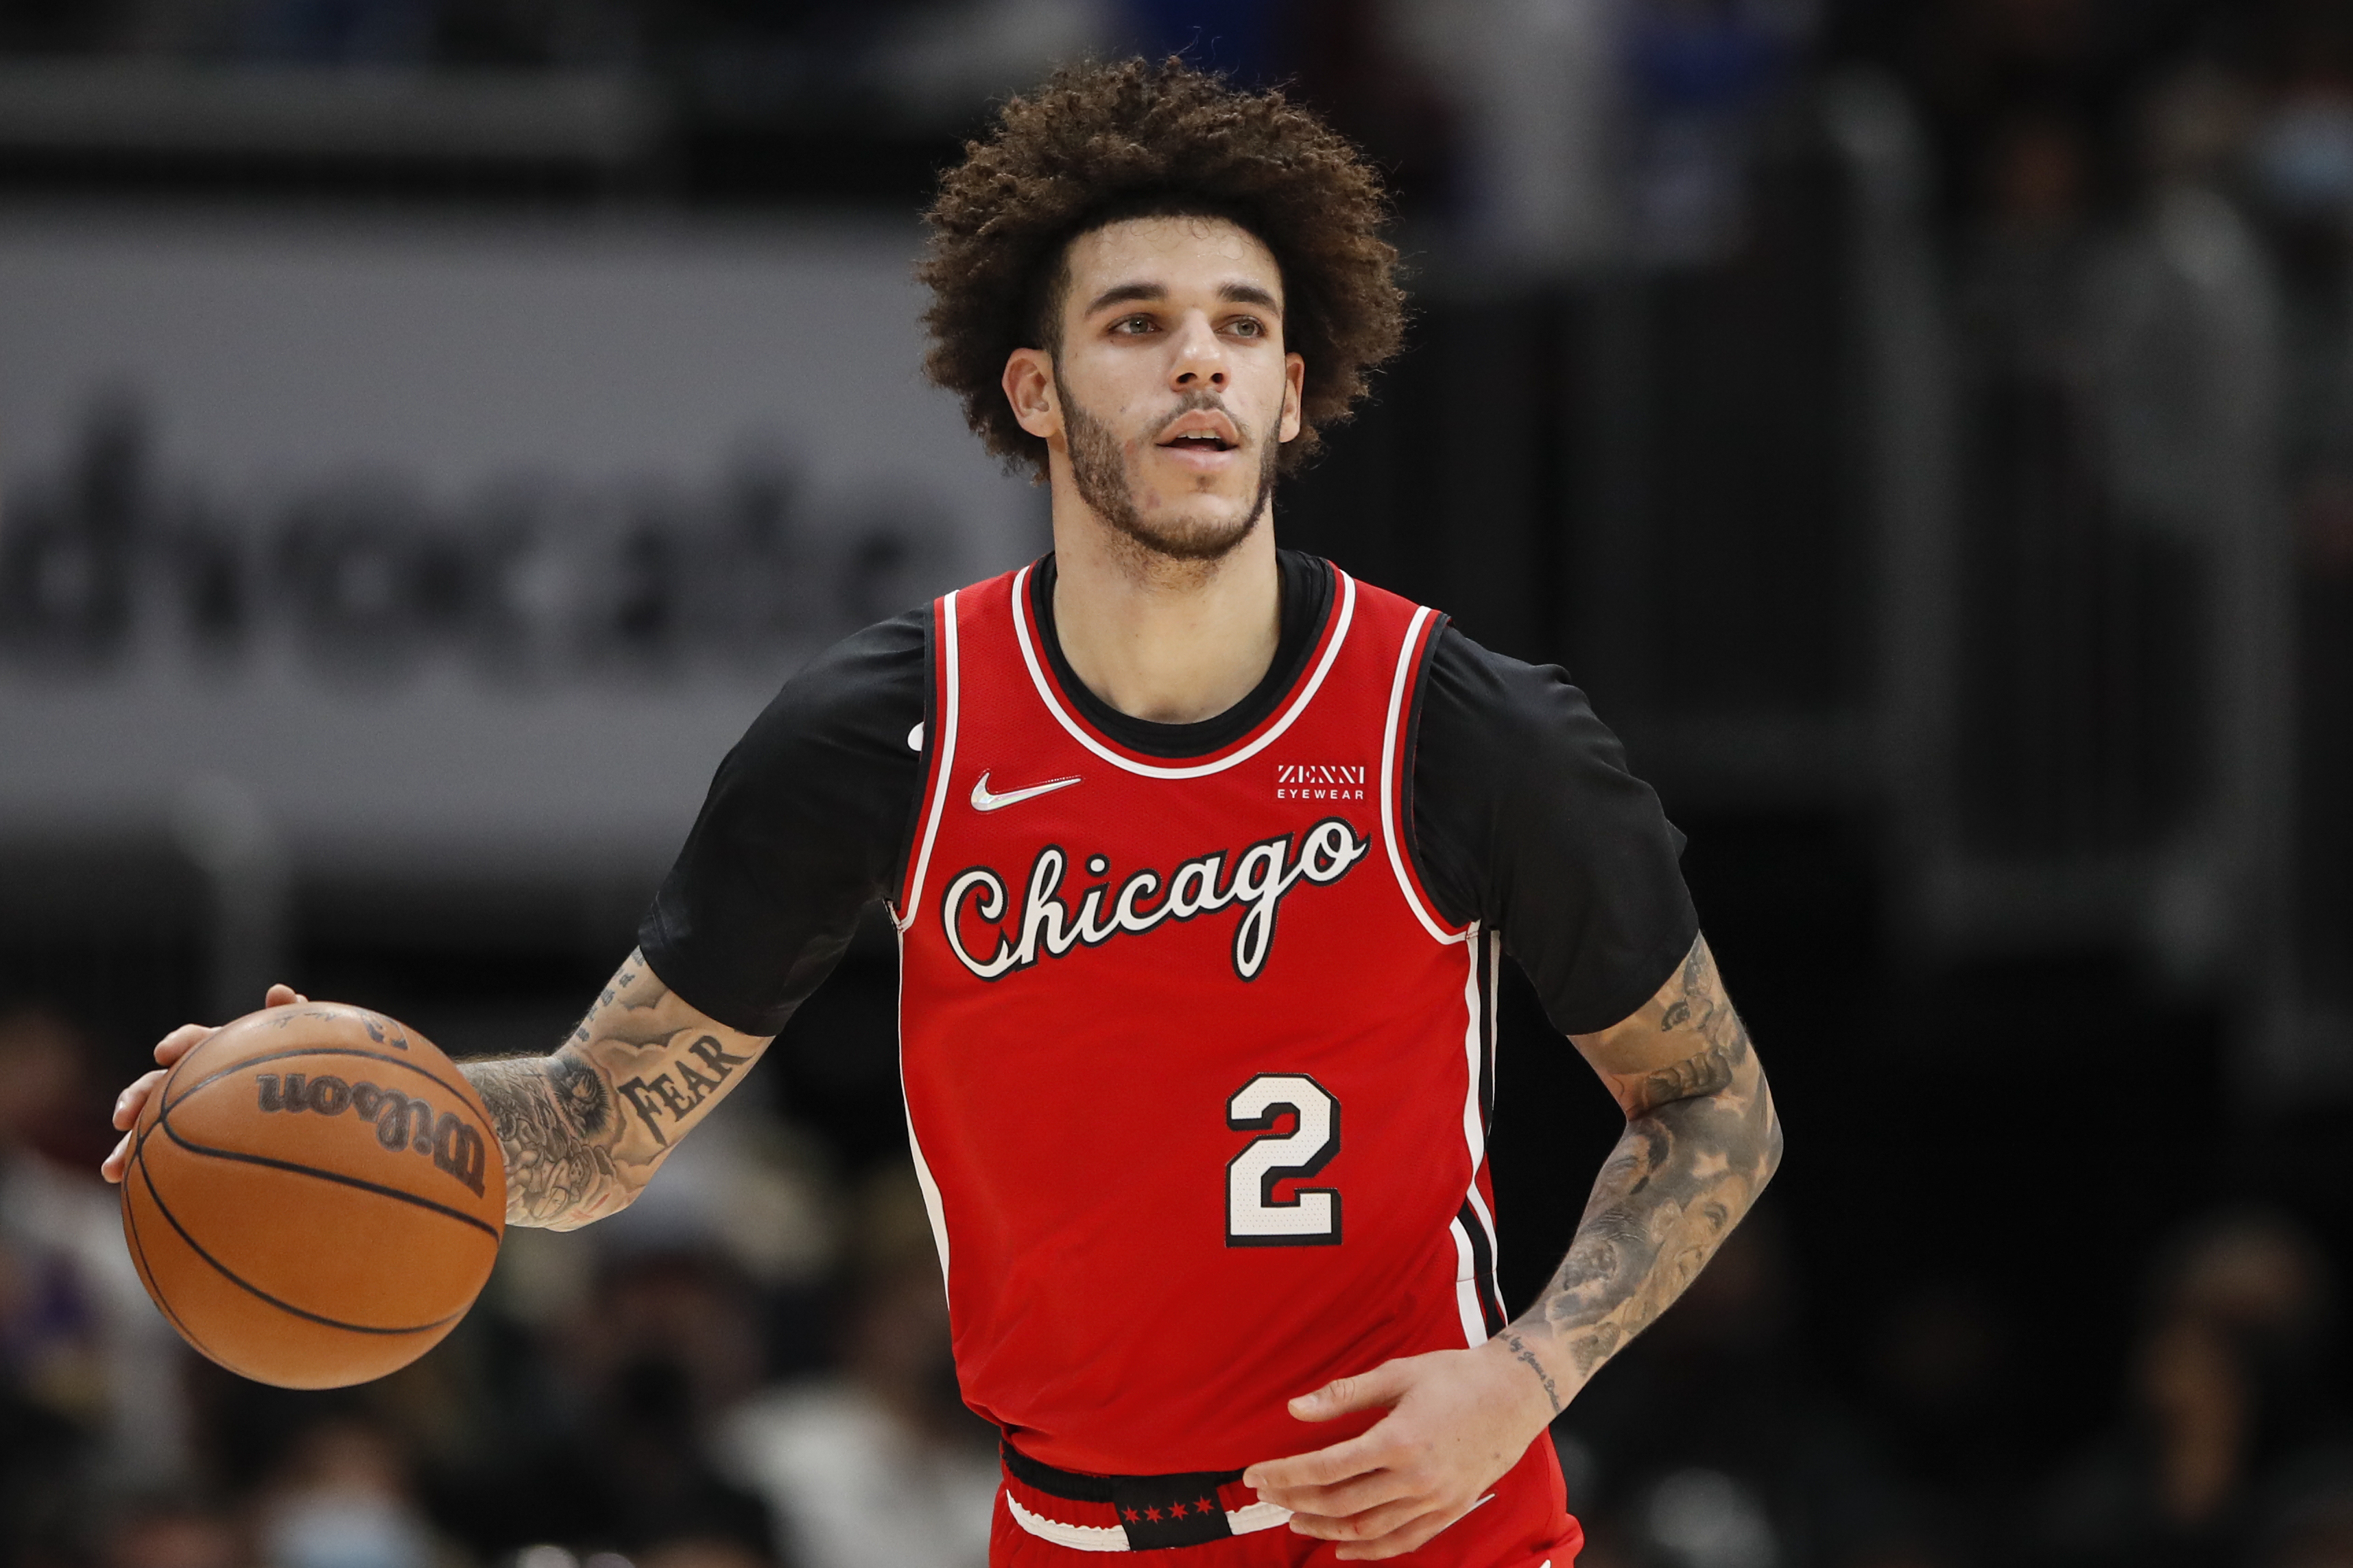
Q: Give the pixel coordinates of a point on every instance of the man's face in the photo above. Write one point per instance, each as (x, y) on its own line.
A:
(1171, 393)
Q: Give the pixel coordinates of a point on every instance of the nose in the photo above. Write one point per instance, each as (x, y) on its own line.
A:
(1199, 358)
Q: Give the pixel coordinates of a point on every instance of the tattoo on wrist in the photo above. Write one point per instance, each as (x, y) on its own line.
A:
(1520, 1352)
(554, 1174)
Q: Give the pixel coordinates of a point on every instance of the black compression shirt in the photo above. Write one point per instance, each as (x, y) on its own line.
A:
(1524, 816)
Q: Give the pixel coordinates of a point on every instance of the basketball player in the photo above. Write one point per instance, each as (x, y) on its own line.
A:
(1203, 856)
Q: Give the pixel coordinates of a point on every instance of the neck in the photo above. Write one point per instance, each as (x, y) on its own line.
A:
(1171, 641)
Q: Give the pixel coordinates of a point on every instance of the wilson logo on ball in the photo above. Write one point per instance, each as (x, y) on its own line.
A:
(400, 1121)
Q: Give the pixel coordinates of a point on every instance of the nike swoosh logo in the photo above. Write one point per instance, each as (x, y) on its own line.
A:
(982, 800)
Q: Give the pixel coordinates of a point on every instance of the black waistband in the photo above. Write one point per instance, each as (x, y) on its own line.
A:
(1185, 1486)
(1156, 1511)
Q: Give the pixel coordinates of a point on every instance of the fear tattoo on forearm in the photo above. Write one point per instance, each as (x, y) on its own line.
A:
(584, 1129)
(1701, 1142)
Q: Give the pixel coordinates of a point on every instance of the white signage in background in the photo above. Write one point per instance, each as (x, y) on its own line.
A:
(450, 540)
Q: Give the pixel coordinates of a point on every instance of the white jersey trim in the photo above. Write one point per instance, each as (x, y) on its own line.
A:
(933, 1208)
(1390, 735)
(1494, 1044)
(1474, 1126)
(1078, 732)
(1466, 1288)
(950, 666)
(1474, 1137)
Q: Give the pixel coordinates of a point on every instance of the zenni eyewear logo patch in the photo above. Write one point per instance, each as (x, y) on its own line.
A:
(1318, 780)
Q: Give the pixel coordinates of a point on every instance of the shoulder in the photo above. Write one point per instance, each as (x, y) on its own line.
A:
(1527, 817)
(841, 740)
(885, 663)
(1514, 721)
(865, 693)
(806, 822)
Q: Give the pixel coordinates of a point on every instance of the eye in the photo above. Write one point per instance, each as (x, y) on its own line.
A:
(1248, 327)
(1132, 326)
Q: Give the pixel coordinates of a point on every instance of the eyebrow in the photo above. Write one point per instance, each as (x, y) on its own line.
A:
(1231, 293)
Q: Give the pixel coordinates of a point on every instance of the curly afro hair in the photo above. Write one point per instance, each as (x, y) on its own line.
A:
(1099, 144)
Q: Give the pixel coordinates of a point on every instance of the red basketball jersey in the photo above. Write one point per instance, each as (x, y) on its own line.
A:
(1198, 1080)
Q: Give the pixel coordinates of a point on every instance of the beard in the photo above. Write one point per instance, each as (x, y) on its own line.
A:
(1099, 469)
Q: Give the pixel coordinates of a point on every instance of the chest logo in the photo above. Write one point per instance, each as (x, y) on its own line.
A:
(1318, 780)
(983, 800)
(1262, 878)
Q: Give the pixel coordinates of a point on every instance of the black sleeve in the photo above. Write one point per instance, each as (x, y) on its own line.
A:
(1526, 817)
(806, 823)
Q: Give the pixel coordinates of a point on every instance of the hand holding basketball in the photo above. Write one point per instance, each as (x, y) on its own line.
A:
(168, 1052)
(314, 1195)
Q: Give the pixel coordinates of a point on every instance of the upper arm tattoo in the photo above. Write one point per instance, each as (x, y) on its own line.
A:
(1701, 1142)
(1691, 1022)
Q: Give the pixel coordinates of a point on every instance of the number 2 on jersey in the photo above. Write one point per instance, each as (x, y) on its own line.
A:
(1311, 1216)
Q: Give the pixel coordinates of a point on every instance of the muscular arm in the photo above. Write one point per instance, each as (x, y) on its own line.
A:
(585, 1129)
(1701, 1142)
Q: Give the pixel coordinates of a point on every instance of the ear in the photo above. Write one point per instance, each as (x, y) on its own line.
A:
(1030, 388)
(1294, 389)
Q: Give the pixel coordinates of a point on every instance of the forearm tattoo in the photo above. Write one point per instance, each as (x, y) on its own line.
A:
(584, 1129)
(549, 1113)
(1701, 1142)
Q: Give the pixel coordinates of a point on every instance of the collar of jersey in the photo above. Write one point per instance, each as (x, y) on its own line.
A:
(1336, 632)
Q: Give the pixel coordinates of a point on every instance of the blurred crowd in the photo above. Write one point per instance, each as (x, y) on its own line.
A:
(1521, 117)
(1559, 119)
(1714, 1445)
(750, 1370)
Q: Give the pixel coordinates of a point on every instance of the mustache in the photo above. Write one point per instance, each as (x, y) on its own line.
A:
(1199, 401)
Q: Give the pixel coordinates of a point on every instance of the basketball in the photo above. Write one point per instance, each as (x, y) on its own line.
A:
(315, 1195)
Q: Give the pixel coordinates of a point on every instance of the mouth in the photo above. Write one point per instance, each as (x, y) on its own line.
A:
(1201, 435)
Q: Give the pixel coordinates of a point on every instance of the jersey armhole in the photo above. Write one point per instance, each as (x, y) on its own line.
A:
(1410, 771)
(1413, 674)
(914, 844)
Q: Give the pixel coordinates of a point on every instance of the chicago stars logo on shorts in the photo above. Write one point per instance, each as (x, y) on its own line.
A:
(1261, 878)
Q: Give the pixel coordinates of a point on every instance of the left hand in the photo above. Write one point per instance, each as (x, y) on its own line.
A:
(168, 1051)
(1457, 1420)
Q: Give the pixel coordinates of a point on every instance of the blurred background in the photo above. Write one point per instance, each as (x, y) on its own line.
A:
(430, 428)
